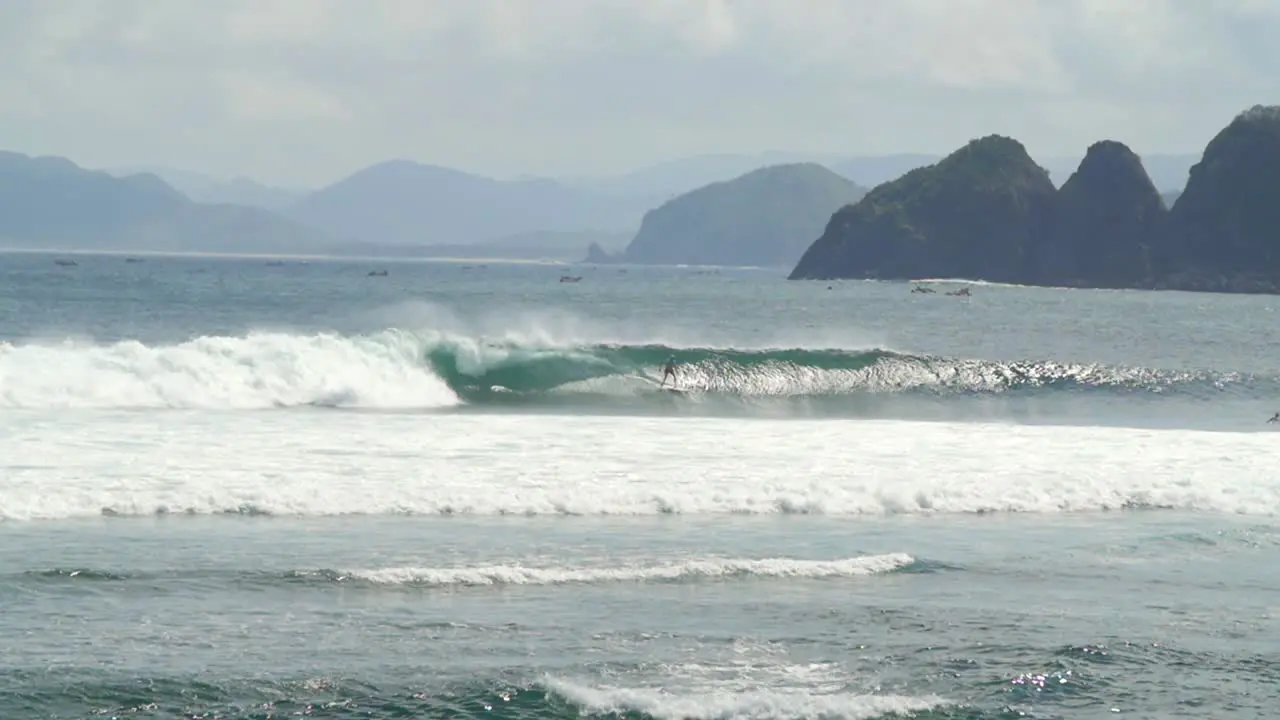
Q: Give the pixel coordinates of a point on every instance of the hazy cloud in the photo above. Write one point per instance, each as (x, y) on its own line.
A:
(304, 91)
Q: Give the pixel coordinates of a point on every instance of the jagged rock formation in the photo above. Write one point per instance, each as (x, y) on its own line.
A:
(766, 217)
(1224, 231)
(988, 212)
(1107, 216)
(975, 214)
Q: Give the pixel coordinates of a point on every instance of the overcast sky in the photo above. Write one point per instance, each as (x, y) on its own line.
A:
(302, 92)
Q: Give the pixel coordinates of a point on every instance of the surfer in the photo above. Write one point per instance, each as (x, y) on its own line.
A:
(1275, 418)
(669, 370)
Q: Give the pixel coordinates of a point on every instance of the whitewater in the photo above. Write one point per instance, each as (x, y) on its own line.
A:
(245, 489)
(328, 463)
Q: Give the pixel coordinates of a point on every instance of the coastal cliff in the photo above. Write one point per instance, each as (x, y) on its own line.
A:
(1224, 230)
(987, 212)
(974, 214)
(1107, 217)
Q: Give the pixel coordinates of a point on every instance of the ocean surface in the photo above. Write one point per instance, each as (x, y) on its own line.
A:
(252, 488)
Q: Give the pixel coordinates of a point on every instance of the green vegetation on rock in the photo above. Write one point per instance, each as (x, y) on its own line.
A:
(973, 214)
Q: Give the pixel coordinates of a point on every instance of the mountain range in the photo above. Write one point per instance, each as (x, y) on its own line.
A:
(50, 202)
(207, 189)
(400, 207)
(662, 181)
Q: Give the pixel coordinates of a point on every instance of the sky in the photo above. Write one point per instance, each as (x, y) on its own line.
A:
(303, 92)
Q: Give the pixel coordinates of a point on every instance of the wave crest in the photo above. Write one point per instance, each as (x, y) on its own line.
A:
(686, 570)
(482, 372)
(400, 369)
(258, 370)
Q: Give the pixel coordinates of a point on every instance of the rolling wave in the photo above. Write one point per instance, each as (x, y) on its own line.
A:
(497, 372)
(676, 571)
(399, 369)
(83, 693)
(660, 703)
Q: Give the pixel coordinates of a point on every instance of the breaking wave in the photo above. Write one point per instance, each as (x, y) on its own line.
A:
(477, 370)
(777, 692)
(400, 369)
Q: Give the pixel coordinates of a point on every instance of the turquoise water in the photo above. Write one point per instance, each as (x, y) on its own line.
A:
(241, 489)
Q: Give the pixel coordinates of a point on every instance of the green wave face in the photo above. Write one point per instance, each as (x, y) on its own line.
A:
(504, 366)
(477, 370)
(502, 371)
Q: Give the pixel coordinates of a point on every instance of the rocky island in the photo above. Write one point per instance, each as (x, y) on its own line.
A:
(1106, 219)
(974, 214)
(766, 217)
(989, 212)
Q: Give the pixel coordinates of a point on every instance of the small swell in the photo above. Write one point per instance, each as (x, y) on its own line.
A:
(682, 571)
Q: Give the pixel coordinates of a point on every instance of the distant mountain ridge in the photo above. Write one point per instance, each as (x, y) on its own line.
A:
(402, 202)
(216, 191)
(50, 202)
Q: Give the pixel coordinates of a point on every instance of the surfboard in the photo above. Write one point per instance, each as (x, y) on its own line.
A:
(660, 386)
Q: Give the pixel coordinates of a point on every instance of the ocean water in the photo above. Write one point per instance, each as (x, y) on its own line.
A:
(240, 488)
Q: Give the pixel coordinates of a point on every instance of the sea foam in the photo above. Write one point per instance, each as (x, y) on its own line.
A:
(334, 463)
